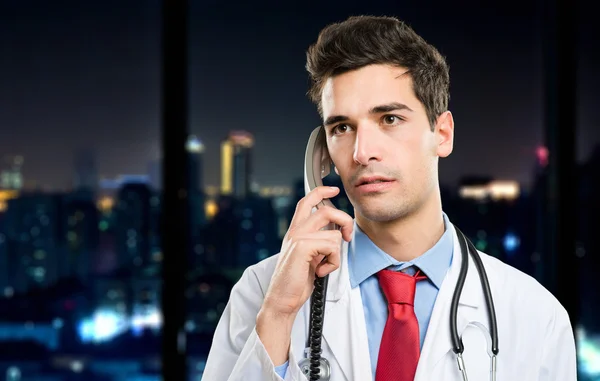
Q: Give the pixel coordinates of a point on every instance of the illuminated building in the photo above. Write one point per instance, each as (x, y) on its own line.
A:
(80, 224)
(106, 204)
(240, 234)
(6, 195)
(34, 241)
(195, 150)
(211, 208)
(236, 164)
(275, 191)
(493, 190)
(132, 225)
(10, 173)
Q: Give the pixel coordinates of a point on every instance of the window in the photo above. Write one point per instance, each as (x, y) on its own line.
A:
(88, 129)
(79, 236)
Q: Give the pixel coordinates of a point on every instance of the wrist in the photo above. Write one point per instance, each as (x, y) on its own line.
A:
(268, 316)
(273, 310)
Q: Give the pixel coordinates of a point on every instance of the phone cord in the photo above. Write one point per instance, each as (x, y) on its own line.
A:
(317, 308)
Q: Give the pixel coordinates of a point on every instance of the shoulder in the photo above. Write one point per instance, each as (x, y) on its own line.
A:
(533, 322)
(522, 294)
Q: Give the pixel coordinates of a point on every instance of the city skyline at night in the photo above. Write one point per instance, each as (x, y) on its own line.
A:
(86, 77)
(108, 260)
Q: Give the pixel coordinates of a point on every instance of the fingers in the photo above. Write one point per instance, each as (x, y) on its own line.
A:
(327, 257)
(306, 239)
(324, 268)
(333, 236)
(325, 215)
(311, 200)
(319, 248)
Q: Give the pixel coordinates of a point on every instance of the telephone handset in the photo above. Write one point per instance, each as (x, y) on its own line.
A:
(317, 165)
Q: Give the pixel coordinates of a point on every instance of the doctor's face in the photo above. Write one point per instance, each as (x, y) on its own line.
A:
(381, 142)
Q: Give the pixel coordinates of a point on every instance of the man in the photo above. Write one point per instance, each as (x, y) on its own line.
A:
(383, 92)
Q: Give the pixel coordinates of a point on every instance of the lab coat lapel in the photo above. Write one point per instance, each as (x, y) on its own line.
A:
(344, 329)
(438, 340)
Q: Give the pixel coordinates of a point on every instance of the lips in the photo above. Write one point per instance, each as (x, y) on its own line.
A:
(372, 180)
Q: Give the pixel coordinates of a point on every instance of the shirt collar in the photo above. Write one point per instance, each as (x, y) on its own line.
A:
(366, 259)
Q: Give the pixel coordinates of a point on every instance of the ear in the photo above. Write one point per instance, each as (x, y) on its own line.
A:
(335, 169)
(444, 131)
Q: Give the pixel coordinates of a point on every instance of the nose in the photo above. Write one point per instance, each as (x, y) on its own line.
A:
(367, 146)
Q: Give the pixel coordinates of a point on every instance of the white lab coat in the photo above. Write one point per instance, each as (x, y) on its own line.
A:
(535, 337)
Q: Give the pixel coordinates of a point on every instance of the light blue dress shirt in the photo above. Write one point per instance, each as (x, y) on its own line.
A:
(365, 259)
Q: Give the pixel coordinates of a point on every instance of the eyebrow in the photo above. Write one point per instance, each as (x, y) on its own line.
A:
(394, 106)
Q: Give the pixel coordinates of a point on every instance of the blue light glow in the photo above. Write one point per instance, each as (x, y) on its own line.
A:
(107, 324)
(103, 326)
(511, 242)
(588, 353)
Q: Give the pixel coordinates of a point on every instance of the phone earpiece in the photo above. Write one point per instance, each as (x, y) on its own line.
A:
(317, 165)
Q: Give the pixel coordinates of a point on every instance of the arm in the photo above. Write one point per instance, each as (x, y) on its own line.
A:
(237, 353)
(559, 356)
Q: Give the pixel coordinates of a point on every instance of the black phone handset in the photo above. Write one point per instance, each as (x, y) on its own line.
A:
(317, 165)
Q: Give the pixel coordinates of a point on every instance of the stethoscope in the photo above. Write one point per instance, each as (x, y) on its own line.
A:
(317, 368)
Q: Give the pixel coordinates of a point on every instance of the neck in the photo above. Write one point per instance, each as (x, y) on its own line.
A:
(410, 236)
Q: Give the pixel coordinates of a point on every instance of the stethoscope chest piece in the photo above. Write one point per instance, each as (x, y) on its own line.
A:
(324, 367)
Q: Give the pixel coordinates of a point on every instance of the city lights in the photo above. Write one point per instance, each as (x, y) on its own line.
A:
(588, 352)
(103, 326)
(511, 242)
(495, 190)
(107, 324)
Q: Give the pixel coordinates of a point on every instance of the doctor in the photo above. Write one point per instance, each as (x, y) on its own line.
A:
(383, 92)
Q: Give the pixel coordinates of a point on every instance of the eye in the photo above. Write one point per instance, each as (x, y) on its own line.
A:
(339, 129)
(391, 119)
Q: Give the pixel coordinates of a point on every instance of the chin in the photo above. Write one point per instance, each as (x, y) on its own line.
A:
(382, 213)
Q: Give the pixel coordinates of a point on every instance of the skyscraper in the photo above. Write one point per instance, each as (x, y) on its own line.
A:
(10, 172)
(86, 174)
(34, 242)
(155, 174)
(133, 225)
(195, 150)
(236, 164)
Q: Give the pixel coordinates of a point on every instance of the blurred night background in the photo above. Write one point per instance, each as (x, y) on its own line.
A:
(88, 186)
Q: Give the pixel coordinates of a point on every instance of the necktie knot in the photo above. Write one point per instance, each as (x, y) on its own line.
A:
(399, 287)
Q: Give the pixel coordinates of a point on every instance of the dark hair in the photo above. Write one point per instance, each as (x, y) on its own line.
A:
(364, 40)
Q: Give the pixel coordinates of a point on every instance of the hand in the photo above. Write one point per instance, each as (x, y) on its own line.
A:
(304, 247)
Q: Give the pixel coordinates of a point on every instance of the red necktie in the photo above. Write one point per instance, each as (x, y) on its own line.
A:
(400, 349)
